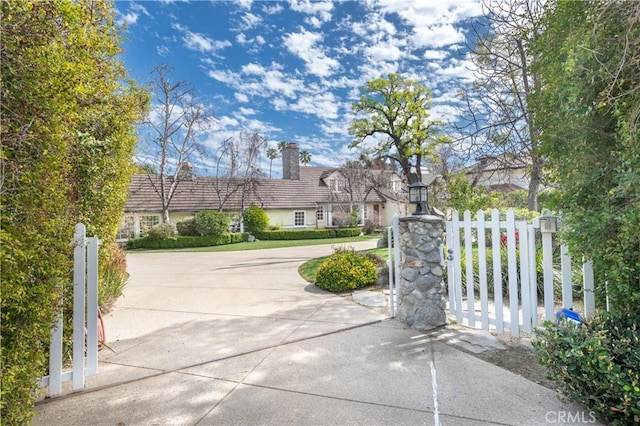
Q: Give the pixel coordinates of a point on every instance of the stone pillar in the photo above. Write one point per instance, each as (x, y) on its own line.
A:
(421, 303)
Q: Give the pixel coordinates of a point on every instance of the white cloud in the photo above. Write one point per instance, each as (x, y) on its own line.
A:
(260, 40)
(200, 42)
(162, 50)
(435, 54)
(272, 10)
(250, 20)
(437, 36)
(128, 19)
(384, 52)
(245, 3)
(241, 97)
(321, 9)
(247, 111)
(303, 45)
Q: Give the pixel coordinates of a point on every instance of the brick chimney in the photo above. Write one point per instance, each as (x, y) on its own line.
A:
(291, 162)
(185, 172)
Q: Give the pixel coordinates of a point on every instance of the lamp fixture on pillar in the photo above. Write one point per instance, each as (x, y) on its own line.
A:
(418, 195)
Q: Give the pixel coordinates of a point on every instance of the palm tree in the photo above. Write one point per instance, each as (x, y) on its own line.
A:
(305, 157)
(282, 145)
(272, 154)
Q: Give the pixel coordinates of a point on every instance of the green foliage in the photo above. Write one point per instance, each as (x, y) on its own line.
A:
(67, 143)
(186, 242)
(308, 234)
(161, 231)
(463, 196)
(597, 363)
(212, 223)
(255, 219)
(590, 110)
(405, 103)
(346, 270)
(187, 227)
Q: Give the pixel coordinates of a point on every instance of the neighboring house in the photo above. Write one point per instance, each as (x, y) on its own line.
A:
(502, 173)
(306, 197)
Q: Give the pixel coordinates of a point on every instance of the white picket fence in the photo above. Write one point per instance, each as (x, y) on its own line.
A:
(519, 310)
(85, 345)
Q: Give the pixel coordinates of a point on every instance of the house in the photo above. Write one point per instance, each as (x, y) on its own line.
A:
(503, 173)
(306, 197)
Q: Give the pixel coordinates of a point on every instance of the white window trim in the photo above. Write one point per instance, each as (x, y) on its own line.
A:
(320, 214)
(304, 219)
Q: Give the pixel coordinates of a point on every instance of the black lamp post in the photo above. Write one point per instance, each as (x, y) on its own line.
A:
(418, 195)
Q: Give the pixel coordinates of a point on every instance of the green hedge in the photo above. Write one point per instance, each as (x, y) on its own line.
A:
(346, 270)
(309, 234)
(596, 364)
(185, 242)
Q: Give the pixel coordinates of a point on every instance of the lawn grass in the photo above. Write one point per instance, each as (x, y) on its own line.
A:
(259, 245)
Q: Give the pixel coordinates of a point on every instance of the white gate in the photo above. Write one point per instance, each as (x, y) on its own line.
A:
(491, 242)
(85, 346)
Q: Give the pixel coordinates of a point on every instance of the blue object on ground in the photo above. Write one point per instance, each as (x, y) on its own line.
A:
(570, 315)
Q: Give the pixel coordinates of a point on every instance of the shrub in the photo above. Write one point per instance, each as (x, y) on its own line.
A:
(346, 270)
(187, 227)
(308, 234)
(342, 219)
(597, 363)
(369, 226)
(210, 222)
(186, 242)
(161, 231)
(255, 219)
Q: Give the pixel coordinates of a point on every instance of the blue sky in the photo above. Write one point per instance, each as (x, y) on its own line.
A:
(290, 70)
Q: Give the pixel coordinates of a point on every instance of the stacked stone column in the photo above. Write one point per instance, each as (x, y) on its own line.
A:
(421, 302)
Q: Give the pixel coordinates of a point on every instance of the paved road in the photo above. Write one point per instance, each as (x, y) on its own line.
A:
(240, 338)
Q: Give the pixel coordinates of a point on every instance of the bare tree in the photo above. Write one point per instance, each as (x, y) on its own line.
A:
(236, 167)
(497, 118)
(171, 137)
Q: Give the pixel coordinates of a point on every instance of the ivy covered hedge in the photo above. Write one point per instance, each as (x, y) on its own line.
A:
(185, 242)
(309, 234)
(67, 144)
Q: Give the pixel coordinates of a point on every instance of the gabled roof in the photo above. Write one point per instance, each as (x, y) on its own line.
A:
(205, 193)
(491, 163)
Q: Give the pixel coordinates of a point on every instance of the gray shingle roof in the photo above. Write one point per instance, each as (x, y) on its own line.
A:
(202, 193)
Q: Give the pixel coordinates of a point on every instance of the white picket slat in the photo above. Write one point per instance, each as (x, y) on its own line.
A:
(497, 270)
(468, 251)
(547, 261)
(482, 271)
(457, 265)
(79, 277)
(565, 264)
(525, 282)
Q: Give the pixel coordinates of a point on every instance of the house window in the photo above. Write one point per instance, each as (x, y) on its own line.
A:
(147, 222)
(299, 219)
(396, 185)
(320, 213)
(365, 212)
(337, 185)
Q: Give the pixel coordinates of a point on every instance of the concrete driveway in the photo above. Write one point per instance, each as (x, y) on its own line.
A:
(240, 338)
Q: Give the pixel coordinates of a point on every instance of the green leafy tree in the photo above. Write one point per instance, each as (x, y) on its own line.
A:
(67, 142)
(397, 110)
(211, 222)
(589, 106)
(255, 219)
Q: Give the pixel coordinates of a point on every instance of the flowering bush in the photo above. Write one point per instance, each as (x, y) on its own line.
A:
(346, 270)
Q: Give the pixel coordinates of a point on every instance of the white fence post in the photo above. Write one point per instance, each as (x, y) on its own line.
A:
(567, 285)
(588, 285)
(85, 273)
(390, 264)
(79, 282)
(468, 251)
(396, 257)
(547, 261)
